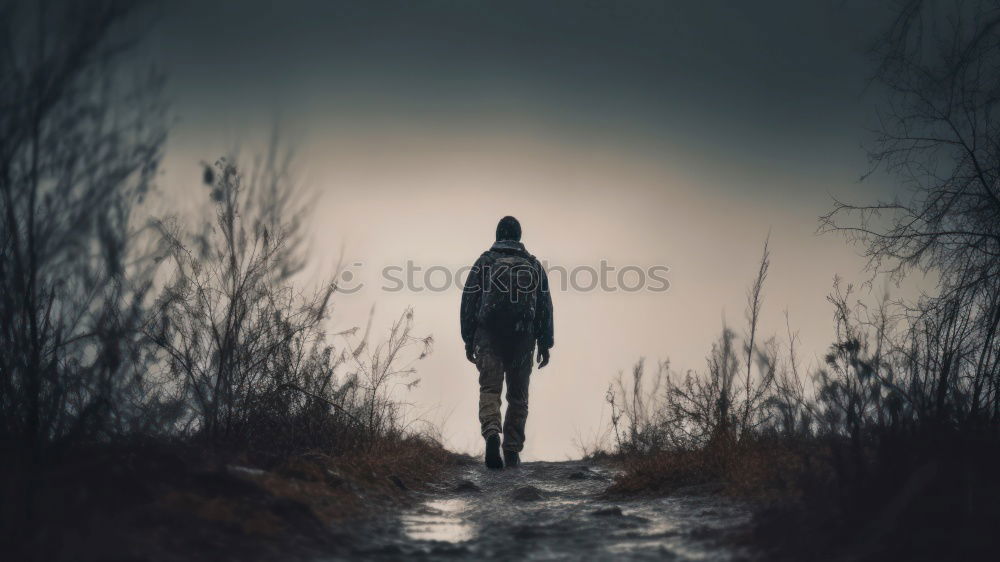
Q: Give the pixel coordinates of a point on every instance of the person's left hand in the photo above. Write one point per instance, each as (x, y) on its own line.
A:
(470, 353)
(543, 357)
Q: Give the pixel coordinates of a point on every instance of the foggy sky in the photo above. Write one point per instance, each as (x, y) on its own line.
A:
(675, 133)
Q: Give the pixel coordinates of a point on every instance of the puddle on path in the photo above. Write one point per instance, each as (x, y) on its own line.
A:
(439, 520)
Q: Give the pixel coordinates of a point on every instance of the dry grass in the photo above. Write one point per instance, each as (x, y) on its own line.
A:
(760, 470)
(349, 486)
(917, 497)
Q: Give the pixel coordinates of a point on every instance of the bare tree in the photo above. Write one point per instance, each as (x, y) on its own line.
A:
(244, 347)
(939, 135)
(79, 147)
(232, 331)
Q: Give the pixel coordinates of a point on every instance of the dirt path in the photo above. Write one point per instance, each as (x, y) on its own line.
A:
(552, 511)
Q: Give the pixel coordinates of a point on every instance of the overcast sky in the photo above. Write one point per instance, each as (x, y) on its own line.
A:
(640, 133)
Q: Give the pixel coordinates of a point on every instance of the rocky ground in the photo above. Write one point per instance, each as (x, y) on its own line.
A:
(551, 511)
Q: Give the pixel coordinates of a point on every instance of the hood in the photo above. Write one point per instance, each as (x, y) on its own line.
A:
(509, 247)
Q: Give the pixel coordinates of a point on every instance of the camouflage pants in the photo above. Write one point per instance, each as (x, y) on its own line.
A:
(496, 357)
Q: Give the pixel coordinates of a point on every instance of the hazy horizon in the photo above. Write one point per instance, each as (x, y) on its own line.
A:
(647, 135)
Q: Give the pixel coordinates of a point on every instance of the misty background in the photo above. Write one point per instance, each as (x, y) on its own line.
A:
(674, 134)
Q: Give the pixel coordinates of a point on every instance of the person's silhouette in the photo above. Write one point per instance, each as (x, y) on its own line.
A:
(506, 309)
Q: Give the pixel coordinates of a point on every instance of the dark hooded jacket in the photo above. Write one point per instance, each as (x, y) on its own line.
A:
(473, 291)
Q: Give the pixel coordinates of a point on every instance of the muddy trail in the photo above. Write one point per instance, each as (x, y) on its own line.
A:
(551, 511)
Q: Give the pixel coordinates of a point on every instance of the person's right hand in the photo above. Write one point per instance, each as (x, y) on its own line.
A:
(470, 353)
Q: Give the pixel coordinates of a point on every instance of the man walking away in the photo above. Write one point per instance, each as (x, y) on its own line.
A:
(506, 310)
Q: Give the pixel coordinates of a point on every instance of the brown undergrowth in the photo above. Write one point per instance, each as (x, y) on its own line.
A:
(181, 502)
(924, 496)
(759, 470)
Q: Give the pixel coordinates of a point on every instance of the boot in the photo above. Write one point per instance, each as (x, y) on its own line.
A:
(493, 460)
(511, 459)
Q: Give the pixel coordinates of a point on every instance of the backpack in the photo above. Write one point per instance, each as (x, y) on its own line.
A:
(509, 298)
